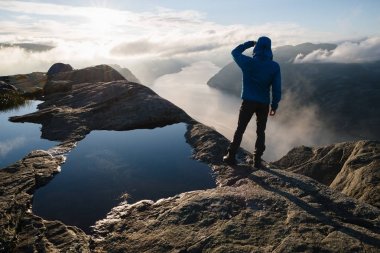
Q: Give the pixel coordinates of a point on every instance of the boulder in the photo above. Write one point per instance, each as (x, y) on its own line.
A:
(58, 68)
(63, 81)
(99, 73)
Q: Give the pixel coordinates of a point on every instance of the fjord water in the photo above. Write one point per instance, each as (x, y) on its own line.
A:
(144, 163)
(18, 139)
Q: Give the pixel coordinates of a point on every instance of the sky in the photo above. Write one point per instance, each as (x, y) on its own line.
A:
(142, 33)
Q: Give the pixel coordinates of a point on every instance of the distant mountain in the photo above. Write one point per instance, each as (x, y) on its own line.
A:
(288, 53)
(229, 77)
(126, 73)
(28, 46)
(346, 95)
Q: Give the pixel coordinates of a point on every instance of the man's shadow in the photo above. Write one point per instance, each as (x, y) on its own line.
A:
(338, 212)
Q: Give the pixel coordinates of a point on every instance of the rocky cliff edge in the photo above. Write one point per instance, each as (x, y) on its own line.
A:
(267, 210)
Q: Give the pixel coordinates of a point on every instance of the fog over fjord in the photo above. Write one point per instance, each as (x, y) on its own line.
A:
(293, 125)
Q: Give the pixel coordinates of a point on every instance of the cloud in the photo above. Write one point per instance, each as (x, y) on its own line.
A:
(135, 40)
(347, 52)
(84, 36)
(171, 48)
(19, 60)
(9, 145)
(123, 26)
(294, 125)
(48, 9)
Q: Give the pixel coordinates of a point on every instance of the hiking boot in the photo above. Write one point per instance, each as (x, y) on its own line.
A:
(229, 159)
(258, 163)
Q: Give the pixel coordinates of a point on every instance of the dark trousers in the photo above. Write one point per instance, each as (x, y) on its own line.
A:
(247, 109)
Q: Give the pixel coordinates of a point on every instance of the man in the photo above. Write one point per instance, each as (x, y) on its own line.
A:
(260, 75)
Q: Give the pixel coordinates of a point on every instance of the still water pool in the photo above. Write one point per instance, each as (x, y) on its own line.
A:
(18, 139)
(145, 164)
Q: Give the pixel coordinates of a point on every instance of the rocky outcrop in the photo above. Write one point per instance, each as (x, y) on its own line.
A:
(351, 167)
(69, 116)
(9, 96)
(62, 80)
(99, 73)
(27, 83)
(5, 87)
(267, 210)
(102, 104)
(22, 231)
(58, 68)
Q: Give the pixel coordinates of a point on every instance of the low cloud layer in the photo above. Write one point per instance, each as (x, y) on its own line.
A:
(20, 61)
(367, 50)
(84, 36)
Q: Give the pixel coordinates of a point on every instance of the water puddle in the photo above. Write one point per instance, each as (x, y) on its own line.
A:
(145, 164)
(18, 139)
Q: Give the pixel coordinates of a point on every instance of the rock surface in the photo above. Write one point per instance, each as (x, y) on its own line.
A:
(268, 210)
(57, 68)
(63, 80)
(250, 211)
(352, 168)
(26, 83)
(22, 231)
(102, 104)
(265, 211)
(5, 87)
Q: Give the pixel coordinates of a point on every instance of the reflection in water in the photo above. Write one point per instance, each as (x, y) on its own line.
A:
(144, 164)
(18, 139)
(11, 100)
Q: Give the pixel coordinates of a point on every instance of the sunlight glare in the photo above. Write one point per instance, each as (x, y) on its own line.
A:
(103, 20)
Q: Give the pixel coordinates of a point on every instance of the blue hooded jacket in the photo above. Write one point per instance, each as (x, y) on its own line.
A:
(260, 72)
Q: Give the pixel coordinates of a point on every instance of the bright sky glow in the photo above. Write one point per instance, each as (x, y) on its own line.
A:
(131, 33)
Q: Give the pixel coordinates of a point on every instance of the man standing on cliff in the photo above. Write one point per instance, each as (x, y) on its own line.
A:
(260, 75)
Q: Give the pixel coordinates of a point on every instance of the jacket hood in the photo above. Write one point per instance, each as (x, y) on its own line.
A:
(263, 48)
